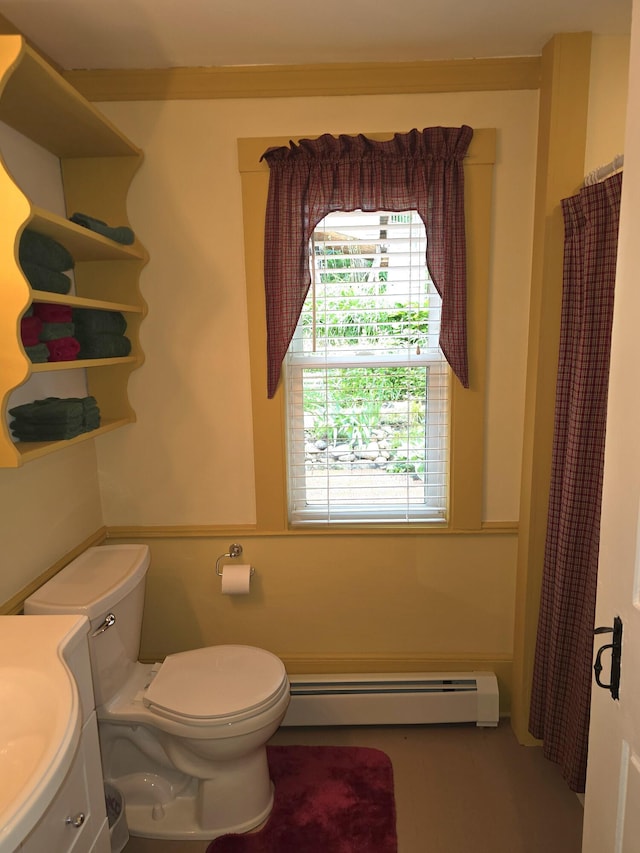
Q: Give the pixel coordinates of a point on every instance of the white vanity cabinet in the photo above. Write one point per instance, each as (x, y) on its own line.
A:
(76, 819)
(51, 786)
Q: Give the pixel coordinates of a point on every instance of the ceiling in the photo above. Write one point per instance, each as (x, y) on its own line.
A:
(169, 33)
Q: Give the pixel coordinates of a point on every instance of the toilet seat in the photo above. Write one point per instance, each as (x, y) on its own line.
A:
(216, 685)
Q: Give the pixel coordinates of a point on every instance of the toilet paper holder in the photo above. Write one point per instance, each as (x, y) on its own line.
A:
(233, 552)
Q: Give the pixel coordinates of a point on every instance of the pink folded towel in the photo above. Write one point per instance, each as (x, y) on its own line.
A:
(63, 349)
(50, 312)
(30, 328)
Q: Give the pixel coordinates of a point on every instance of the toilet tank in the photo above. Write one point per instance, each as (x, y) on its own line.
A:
(103, 582)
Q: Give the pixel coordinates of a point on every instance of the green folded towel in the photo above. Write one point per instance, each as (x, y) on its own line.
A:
(120, 234)
(54, 432)
(54, 410)
(103, 346)
(39, 249)
(55, 418)
(49, 417)
(43, 278)
(88, 403)
(38, 353)
(56, 423)
(53, 435)
(92, 421)
(91, 415)
(54, 331)
(90, 321)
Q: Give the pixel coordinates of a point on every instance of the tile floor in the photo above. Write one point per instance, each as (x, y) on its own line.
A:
(459, 789)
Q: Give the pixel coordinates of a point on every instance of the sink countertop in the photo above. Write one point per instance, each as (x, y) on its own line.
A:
(40, 717)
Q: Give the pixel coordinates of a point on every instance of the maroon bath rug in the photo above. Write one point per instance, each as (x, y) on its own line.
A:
(333, 799)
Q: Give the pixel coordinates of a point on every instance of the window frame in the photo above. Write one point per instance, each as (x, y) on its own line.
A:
(467, 413)
(431, 360)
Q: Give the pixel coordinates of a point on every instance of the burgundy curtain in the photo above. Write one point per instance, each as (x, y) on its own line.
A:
(419, 170)
(561, 697)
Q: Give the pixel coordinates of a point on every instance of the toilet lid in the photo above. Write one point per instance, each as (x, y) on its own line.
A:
(216, 681)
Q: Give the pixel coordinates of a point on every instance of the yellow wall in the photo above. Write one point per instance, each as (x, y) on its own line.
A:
(421, 602)
(341, 604)
(49, 507)
(607, 100)
(321, 597)
(394, 601)
(189, 459)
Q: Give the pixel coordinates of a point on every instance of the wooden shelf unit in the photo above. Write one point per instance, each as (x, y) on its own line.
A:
(97, 165)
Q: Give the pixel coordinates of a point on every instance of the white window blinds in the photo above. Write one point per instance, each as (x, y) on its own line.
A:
(367, 385)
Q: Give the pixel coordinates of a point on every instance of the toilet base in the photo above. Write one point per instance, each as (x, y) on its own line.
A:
(180, 820)
(179, 787)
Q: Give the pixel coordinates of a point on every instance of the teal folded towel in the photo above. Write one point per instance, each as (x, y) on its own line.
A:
(48, 415)
(120, 233)
(52, 433)
(92, 421)
(55, 419)
(38, 353)
(90, 321)
(36, 248)
(43, 278)
(103, 346)
(54, 409)
(54, 331)
(28, 423)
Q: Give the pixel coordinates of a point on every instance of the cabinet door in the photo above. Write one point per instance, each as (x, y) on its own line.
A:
(77, 813)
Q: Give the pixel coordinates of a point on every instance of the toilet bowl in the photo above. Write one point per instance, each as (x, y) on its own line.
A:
(183, 739)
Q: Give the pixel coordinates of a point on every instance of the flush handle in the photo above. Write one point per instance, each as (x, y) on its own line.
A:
(109, 620)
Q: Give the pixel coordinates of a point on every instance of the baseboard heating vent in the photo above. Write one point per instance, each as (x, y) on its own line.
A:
(379, 699)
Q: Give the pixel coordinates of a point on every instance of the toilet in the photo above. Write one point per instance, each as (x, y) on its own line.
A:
(184, 740)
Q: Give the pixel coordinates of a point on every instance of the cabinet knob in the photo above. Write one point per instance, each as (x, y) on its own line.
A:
(76, 821)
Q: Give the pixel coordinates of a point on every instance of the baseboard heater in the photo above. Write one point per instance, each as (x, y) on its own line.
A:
(379, 699)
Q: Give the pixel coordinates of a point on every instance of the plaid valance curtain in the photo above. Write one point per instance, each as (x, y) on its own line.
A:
(561, 696)
(419, 170)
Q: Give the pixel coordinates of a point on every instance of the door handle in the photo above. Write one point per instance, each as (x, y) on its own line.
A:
(616, 654)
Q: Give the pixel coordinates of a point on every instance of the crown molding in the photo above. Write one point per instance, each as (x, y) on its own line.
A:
(290, 81)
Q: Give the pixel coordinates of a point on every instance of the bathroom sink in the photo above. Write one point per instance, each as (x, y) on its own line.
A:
(40, 720)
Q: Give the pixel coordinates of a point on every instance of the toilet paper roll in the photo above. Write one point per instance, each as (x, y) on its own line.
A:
(236, 579)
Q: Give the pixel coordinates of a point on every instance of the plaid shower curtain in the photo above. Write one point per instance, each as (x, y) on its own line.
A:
(561, 695)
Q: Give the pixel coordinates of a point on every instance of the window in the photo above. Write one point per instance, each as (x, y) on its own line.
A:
(466, 416)
(367, 384)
